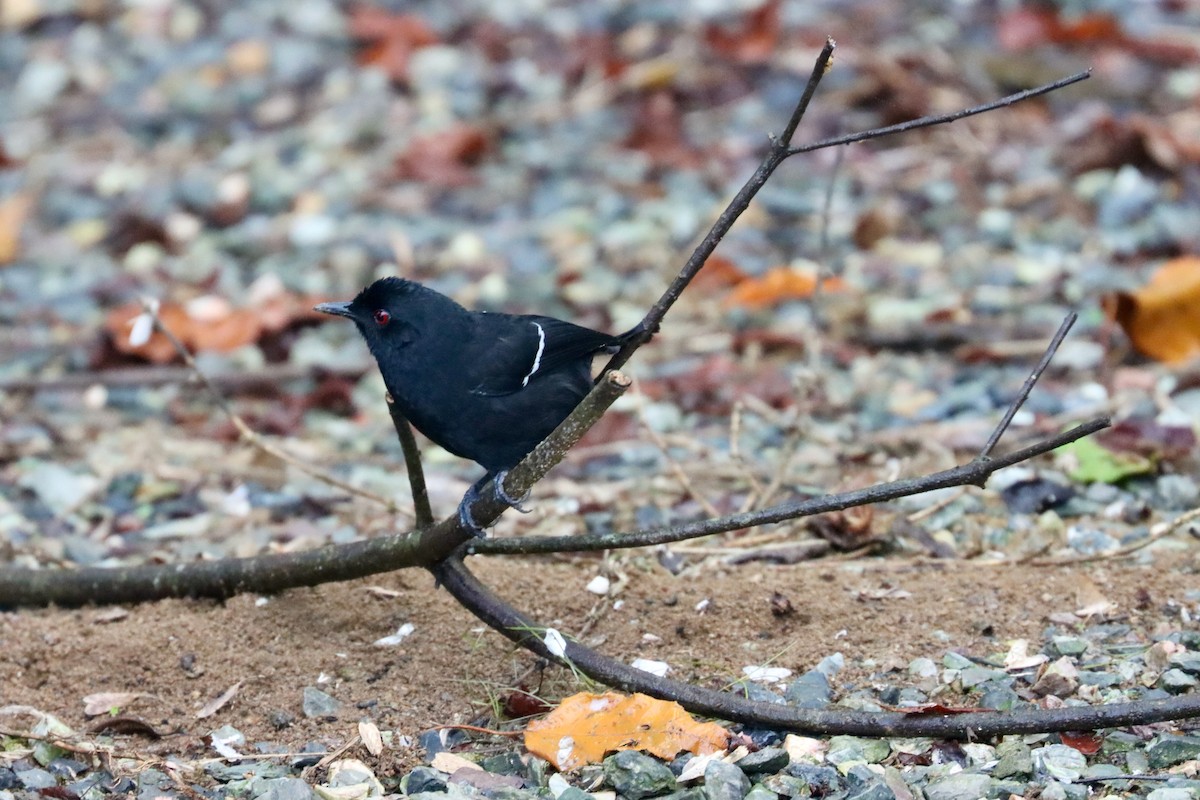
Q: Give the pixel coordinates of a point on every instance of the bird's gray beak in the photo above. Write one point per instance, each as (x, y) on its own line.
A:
(337, 309)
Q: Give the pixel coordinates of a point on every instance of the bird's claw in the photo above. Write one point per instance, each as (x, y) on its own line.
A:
(464, 513)
(464, 507)
(505, 497)
(467, 521)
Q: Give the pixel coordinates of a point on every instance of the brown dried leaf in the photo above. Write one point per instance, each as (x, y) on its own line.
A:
(216, 704)
(447, 158)
(107, 702)
(753, 41)
(388, 40)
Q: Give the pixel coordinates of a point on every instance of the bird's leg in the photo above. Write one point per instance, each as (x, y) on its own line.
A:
(464, 509)
(502, 494)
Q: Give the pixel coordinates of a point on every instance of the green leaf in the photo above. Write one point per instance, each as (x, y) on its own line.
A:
(1095, 463)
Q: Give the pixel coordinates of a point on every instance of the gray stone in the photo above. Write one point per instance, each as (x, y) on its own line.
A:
(575, 793)
(845, 749)
(61, 489)
(810, 690)
(789, 786)
(280, 789)
(1171, 749)
(1171, 793)
(871, 790)
(1176, 492)
(1015, 759)
(757, 792)
(952, 660)
(999, 696)
(1189, 662)
(36, 778)
(725, 781)
(637, 775)
(768, 761)
(1176, 681)
(821, 780)
(423, 779)
(318, 704)
(1070, 645)
(1060, 762)
(960, 786)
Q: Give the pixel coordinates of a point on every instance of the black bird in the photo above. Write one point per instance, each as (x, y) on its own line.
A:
(485, 386)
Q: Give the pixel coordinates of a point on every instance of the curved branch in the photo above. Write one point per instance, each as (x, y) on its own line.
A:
(971, 474)
(71, 588)
(514, 625)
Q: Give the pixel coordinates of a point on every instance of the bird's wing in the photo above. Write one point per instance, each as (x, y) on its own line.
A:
(521, 349)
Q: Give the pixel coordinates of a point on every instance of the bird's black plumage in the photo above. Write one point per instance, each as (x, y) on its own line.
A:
(485, 386)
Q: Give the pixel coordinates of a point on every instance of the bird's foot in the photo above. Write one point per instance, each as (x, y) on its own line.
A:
(464, 513)
(504, 496)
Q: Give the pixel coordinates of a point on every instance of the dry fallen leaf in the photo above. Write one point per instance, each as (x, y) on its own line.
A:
(216, 704)
(1162, 318)
(587, 726)
(13, 212)
(779, 285)
(1090, 601)
(106, 702)
(372, 739)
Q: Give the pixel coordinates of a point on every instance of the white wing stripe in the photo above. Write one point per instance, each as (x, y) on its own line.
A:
(537, 359)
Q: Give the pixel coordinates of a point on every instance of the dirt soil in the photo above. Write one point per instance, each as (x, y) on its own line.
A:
(182, 654)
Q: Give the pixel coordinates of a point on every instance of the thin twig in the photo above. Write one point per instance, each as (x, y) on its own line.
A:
(1030, 382)
(248, 434)
(1160, 531)
(941, 119)
(973, 473)
(412, 464)
(776, 155)
(676, 468)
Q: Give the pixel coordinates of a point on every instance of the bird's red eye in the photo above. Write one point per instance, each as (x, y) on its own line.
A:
(381, 317)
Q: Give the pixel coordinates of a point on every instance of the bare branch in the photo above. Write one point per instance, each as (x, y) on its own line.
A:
(942, 119)
(971, 474)
(514, 625)
(248, 434)
(412, 464)
(1030, 382)
(775, 156)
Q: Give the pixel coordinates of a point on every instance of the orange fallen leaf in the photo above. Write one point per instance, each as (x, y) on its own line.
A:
(1162, 318)
(779, 285)
(13, 212)
(718, 272)
(586, 726)
(209, 324)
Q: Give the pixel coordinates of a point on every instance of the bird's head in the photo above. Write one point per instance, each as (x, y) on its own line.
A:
(394, 313)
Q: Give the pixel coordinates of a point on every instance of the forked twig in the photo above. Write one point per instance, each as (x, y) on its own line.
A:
(245, 432)
(974, 473)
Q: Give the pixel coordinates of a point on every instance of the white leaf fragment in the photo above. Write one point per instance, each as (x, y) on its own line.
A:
(763, 674)
(555, 643)
(402, 633)
(658, 669)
